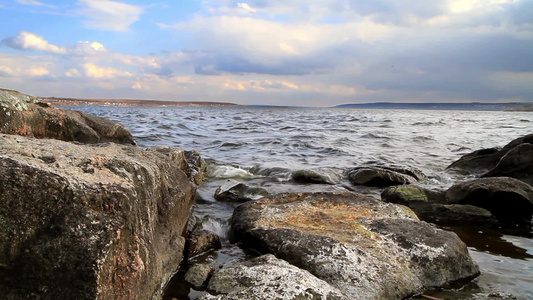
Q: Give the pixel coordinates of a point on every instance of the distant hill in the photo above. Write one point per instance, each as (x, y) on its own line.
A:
(524, 107)
(436, 106)
(126, 102)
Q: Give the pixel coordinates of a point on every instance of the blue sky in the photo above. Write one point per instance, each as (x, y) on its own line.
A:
(279, 52)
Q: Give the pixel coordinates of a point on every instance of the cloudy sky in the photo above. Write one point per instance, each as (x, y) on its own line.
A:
(279, 52)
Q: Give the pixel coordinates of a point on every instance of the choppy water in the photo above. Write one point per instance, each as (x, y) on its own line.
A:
(262, 146)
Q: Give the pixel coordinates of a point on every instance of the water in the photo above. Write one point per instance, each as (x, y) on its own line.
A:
(262, 146)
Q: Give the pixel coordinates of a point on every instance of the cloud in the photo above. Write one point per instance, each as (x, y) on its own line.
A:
(109, 15)
(29, 41)
(86, 48)
(96, 72)
(34, 2)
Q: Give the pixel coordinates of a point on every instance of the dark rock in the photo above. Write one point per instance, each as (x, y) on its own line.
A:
(483, 160)
(113, 229)
(201, 241)
(404, 194)
(517, 163)
(197, 167)
(508, 199)
(267, 277)
(198, 274)
(24, 115)
(410, 171)
(234, 191)
(378, 177)
(366, 248)
(317, 175)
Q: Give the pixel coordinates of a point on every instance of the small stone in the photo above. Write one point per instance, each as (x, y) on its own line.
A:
(198, 274)
(201, 241)
(48, 159)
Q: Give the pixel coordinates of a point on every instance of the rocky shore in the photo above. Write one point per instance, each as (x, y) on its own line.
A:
(86, 214)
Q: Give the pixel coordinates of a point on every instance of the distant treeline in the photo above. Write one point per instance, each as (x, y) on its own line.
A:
(440, 106)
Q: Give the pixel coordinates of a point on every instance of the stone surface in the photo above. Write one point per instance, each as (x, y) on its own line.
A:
(483, 160)
(404, 194)
(201, 241)
(508, 199)
(378, 177)
(24, 115)
(90, 222)
(517, 163)
(267, 277)
(198, 274)
(234, 191)
(317, 175)
(366, 248)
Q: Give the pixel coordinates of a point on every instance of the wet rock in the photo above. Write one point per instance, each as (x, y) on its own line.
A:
(317, 175)
(21, 114)
(201, 241)
(366, 248)
(483, 160)
(103, 221)
(517, 163)
(410, 171)
(234, 191)
(378, 177)
(267, 277)
(508, 199)
(404, 194)
(197, 167)
(198, 274)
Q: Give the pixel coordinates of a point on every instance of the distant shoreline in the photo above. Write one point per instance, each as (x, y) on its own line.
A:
(127, 102)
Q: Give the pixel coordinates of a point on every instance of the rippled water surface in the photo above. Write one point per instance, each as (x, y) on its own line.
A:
(262, 146)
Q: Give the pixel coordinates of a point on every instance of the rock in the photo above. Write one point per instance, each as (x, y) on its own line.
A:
(24, 115)
(234, 191)
(317, 175)
(267, 277)
(431, 210)
(508, 199)
(483, 160)
(404, 194)
(410, 171)
(378, 177)
(197, 167)
(102, 221)
(198, 274)
(517, 163)
(364, 247)
(201, 241)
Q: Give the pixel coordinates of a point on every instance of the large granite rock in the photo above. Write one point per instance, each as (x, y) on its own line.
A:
(267, 277)
(364, 247)
(379, 176)
(508, 199)
(517, 163)
(24, 115)
(90, 222)
(483, 160)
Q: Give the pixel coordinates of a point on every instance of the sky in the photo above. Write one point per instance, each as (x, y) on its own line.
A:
(271, 52)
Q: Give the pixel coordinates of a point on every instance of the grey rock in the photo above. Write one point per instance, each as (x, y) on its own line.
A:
(103, 221)
(267, 277)
(198, 274)
(366, 248)
(201, 241)
(378, 177)
(317, 175)
(481, 161)
(508, 199)
(234, 191)
(404, 194)
(24, 115)
(517, 163)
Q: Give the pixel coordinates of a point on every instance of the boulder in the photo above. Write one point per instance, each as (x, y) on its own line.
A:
(267, 277)
(366, 248)
(481, 161)
(430, 209)
(517, 163)
(198, 274)
(101, 221)
(317, 175)
(201, 241)
(24, 115)
(508, 199)
(378, 177)
(197, 167)
(234, 191)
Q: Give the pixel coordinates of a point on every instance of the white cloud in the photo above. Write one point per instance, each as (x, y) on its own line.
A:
(246, 8)
(72, 73)
(6, 71)
(34, 2)
(86, 49)
(38, 71)
(109, 15)
(96, 72)
(29, 41)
